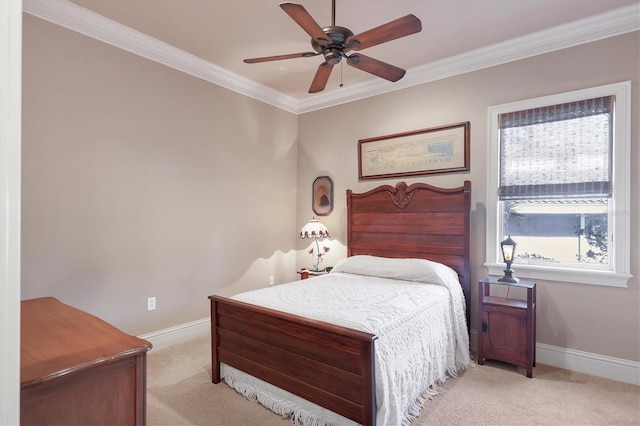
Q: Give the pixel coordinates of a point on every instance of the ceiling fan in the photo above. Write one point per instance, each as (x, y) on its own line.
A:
(334, 42)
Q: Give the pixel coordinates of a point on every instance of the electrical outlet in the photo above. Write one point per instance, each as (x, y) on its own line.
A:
(151, 303)
(270, 279)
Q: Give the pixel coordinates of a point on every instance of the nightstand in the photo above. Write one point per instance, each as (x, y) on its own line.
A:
(306, 273)
(507, 327)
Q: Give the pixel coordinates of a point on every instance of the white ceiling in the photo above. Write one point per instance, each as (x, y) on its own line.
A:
(224, 32)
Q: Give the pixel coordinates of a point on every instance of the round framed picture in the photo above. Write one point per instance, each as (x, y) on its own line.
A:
(322, 196)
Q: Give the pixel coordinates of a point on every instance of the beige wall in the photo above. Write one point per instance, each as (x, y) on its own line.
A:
(140, 180)
(589, 318)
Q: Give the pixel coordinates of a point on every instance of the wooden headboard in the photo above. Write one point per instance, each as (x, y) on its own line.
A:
(419, 221)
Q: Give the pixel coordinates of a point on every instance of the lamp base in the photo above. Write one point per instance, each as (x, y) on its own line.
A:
(508, 277)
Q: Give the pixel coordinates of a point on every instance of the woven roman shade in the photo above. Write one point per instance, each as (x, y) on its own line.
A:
(558, 151)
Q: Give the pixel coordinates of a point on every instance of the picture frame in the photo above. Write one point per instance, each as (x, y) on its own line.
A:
(443, 149)
(322, 196)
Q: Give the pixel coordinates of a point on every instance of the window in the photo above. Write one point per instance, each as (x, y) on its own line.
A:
(559, 185)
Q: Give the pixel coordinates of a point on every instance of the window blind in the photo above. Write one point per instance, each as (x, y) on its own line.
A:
(558, 151)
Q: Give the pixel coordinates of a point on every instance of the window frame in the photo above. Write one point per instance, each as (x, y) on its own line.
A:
(619, 204)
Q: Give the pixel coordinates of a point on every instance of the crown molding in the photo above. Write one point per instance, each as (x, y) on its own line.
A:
(616, 22)
(71, 16)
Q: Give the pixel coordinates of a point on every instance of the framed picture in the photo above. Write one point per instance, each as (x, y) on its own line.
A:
(322, 200)
(443, 149)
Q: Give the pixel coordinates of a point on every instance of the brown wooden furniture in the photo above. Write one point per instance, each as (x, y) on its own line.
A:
(306, 274)
(329, 365)
(419, 221)
(508, 325)
(77, 369)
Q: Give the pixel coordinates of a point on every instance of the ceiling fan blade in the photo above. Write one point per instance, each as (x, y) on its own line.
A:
(320, 79)
(376, 67)
(280, 57)
(401, 27)
(302, 18)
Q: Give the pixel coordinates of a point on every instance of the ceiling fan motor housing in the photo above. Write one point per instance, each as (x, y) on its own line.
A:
(334, 51)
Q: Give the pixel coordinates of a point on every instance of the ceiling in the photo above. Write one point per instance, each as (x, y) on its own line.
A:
(224, 32)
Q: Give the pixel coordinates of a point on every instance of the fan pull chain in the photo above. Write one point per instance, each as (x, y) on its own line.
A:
(341, 66)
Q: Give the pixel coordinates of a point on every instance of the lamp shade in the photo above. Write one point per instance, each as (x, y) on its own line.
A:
(508, 247)
(314, 229)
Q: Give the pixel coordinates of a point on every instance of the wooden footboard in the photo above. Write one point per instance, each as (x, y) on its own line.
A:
(329, 365)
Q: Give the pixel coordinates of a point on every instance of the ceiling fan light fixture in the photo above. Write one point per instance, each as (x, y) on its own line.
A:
(332, 56)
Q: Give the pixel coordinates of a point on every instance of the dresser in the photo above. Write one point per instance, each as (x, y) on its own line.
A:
(77, 369)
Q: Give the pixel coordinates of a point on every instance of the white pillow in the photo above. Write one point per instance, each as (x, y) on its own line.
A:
(418, 270)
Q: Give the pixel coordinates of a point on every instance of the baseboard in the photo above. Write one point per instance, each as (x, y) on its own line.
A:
(621, 370)
(608, 367)
(172, 335)
(618, 369)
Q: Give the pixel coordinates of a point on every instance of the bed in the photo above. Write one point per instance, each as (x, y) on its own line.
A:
(337, 367)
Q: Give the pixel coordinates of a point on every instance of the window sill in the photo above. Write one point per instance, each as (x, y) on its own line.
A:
(550, 273)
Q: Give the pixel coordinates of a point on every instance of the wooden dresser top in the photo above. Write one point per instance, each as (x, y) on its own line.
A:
(58, 339)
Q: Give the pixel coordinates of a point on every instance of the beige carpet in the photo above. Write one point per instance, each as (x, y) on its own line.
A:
(180, 392)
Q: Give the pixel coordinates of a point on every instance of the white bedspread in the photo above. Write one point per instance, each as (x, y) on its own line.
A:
(421, 329)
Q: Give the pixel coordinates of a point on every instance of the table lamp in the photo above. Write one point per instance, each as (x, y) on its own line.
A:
(508, 247)
(314, 229)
